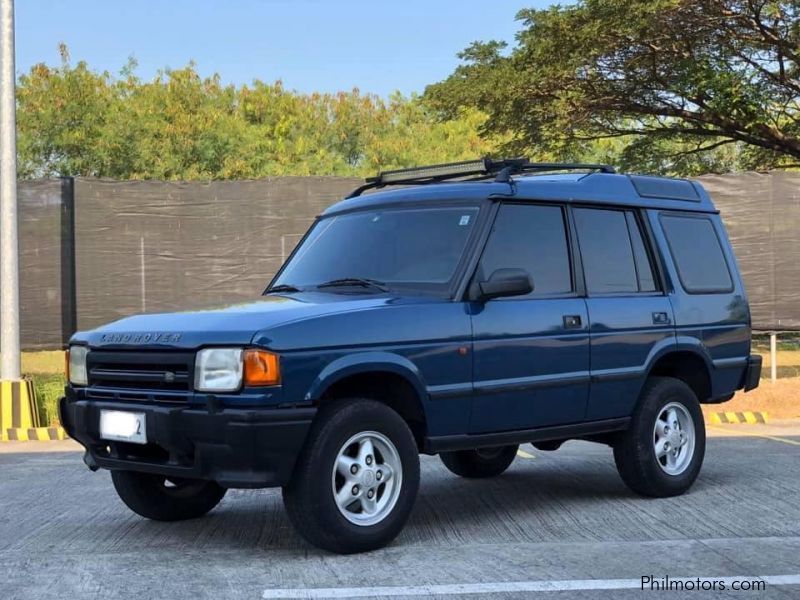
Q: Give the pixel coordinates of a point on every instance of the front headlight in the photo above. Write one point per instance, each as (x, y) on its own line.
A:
(76, 365)
(218, 370)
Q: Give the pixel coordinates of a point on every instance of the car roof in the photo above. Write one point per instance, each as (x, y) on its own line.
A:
(602, 188)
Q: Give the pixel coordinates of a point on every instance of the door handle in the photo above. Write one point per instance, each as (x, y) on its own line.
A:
(660, 318)
(572, 321)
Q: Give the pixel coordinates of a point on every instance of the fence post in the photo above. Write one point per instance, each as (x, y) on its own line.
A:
(143, 275)
(69, 295)
(773, 356)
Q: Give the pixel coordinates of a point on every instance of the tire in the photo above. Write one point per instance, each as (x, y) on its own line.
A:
(550, 446)
(667, 471)
(480, 463)
(337, 463)
(155, 497)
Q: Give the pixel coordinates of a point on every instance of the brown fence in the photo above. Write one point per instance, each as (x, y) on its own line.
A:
(151, 246)
(762, 215)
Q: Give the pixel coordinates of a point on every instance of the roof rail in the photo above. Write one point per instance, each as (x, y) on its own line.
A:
(472, 170)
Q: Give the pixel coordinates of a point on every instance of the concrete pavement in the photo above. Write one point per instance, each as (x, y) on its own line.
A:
(561, 517)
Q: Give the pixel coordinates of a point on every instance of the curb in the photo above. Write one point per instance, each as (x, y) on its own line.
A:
(748, 417)
(35, 434)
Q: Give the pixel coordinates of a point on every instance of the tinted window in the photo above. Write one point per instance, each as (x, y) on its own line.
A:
(697, 253)
(417, 248)
(606, 250)
(532, 238)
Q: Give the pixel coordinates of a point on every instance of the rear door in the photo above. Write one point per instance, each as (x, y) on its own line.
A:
(531, 353)
(630, 316)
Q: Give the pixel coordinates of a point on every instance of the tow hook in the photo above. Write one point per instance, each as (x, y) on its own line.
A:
(89, 460)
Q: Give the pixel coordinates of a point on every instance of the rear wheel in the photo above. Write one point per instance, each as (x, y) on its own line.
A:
(481, 462)
(357, 479)
(166, 499)
(661, 453)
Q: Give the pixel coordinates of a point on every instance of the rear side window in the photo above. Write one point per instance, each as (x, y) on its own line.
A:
(533, 238)
(615, 259)
(698, 254)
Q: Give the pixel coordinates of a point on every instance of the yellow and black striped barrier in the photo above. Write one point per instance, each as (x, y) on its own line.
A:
(19, 415)
(747, 416)
(17, 406)
(36, 434)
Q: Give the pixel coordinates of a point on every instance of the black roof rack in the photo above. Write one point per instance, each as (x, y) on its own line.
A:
(471, 170)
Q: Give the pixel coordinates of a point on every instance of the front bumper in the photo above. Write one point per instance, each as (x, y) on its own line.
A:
(237, 448)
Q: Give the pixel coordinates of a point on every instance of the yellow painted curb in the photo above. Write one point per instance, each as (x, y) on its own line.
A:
(748, 417)
(35, 434)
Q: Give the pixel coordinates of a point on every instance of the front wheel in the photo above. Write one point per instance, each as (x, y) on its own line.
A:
(481, 462)
(357, 479)
(166, 499)
(661, 453)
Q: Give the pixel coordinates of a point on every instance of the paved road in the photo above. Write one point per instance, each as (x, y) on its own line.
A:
(552, 521)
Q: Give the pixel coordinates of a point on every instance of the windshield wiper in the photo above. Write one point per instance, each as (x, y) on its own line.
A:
(284, 287)
(355, 281)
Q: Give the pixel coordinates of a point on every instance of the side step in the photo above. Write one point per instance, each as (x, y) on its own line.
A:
(448, 443)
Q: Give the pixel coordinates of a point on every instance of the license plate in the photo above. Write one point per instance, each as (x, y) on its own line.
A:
(123, 426)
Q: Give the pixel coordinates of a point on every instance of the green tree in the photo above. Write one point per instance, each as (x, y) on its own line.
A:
(61, 117)
(73, 121)
(683, 85)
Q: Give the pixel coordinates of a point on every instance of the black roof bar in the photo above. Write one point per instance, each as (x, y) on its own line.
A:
(474, 170)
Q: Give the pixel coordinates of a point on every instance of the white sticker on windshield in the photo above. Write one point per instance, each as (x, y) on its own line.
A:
(464, 220)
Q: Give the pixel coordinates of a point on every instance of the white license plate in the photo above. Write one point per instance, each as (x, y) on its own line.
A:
(123, 426)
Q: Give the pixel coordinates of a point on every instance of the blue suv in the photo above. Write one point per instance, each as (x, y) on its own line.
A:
(474, 307)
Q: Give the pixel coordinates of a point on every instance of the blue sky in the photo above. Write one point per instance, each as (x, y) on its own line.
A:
(312, 45)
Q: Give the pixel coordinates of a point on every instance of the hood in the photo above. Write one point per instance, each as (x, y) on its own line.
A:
(237, 324)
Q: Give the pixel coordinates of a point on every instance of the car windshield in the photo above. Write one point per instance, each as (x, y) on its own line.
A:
(382, 249)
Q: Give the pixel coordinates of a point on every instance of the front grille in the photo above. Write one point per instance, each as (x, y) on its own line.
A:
(167, 371)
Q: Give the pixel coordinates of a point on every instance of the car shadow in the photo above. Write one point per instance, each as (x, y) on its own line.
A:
(572, 495)
(448, 508)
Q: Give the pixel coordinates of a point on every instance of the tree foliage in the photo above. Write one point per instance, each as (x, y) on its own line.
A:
(664, 85)
(75, 121)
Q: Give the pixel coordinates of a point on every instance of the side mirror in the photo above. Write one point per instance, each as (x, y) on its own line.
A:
(505, 282)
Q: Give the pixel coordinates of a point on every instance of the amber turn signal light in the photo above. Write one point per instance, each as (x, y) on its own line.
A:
(261, 368)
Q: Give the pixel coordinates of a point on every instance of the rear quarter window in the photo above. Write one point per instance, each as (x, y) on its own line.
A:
(697, 252)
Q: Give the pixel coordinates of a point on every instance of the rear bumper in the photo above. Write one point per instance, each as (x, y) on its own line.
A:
(753, 373)
(238, 448)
